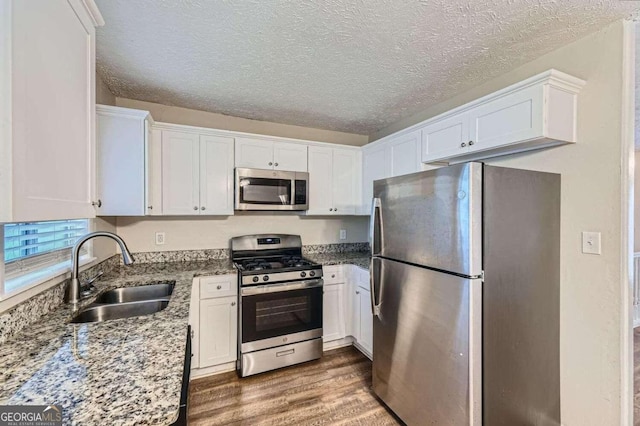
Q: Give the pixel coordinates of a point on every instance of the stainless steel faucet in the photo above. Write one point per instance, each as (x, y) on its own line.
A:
(73, 293)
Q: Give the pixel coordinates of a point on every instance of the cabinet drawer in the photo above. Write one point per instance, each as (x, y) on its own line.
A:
(333, 274)
(224, 285)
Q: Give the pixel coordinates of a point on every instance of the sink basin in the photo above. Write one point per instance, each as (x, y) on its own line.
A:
(138, 293)
(98, 313)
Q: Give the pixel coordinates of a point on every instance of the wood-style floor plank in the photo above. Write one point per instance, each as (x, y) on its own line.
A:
(335, 390)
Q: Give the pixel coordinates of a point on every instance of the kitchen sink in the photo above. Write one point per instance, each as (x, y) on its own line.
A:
(138, 293)
(99, 313)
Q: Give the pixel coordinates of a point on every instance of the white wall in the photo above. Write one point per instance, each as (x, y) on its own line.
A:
(192, 117)
(215, 232)
(591, 286)
(636, 199)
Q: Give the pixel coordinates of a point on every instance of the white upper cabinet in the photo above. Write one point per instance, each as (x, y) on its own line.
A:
(180, 173)
(122, 161)
(266, 154)
(290, 156)
(404, 154)
(197, 174)
(536, 113)
(375, 165)
(47, 109)
(216, 175)
(333, 181)
(446, 138)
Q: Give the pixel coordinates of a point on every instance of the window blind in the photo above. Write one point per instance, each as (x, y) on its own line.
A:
(28, 246)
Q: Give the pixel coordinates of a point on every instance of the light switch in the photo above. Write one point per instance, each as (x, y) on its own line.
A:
(591, 243)
(343, 234)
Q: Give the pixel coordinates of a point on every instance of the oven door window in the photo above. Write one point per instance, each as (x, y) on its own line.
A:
(276, 314)
(265, 191)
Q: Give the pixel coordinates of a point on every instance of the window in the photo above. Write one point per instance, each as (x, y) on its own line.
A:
(31, 247)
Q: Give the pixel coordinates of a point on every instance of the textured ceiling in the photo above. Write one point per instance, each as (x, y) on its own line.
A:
(348, 65)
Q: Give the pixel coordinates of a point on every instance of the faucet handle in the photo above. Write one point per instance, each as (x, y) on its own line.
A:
(93, 279)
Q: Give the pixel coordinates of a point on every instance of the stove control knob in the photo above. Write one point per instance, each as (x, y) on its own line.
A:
(312, 273)
(265, 278)
(256, 279)
(303, 274)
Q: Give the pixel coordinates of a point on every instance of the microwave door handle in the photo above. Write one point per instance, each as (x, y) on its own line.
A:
(375, 227)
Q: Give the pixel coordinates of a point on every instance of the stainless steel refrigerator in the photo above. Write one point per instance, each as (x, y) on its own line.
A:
(465, 295)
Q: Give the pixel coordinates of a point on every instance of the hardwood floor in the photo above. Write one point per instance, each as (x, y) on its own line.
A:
(335, 390)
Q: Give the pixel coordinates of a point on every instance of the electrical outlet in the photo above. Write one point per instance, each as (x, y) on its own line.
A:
(591, 243)
(343, 234)
(159, 238)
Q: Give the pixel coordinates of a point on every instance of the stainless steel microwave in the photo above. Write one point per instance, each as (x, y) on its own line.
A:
(258, 189)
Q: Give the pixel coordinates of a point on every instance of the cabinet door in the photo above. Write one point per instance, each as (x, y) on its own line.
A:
(180, 173)
(290, 156)
(512, 118)
(254, 153)
(374, 167)
(446, 138)
(218, 331)
(121, 164)
(333, 319)
(404, 154)
(355, 311)
(320, 181)
(366, 320)
(154, 173)
(216, 175)
(344, 181)
(50, 57)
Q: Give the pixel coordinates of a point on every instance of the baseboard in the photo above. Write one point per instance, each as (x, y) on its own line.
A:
(197, 373)
(363, 350)
(335, 344)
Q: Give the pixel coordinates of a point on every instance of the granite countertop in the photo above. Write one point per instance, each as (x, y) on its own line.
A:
(357, 258)
(126, 371)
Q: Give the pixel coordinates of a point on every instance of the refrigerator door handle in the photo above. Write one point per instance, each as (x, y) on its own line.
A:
(374, 278)
(375, 227)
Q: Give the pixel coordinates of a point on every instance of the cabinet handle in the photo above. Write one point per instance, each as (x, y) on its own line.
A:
(357, 292)
(270, 163)
(195, 207)
(463, 144)
(470, 143)
(219, 287)
(150, 207)
(202, 208)
(276, 164)
(233, 303)
(333, 275)
(335, 210)
(330, 210)
(97, 203)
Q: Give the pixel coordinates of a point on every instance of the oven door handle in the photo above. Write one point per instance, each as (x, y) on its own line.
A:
(274, 288)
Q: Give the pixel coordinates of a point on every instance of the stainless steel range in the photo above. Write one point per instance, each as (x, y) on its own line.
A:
(280, 318)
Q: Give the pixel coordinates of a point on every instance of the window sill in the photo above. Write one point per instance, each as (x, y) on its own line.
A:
(32, 283)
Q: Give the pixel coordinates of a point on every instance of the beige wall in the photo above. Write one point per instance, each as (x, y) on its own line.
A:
(215, 232)
(591, 296)
(103, 248)
(177, 115)
(636, 208)
(103, 94)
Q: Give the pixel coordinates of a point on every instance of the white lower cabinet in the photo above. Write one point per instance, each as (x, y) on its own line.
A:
(214, 322)
(347, 314)
(333, 308)
(218, 331)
